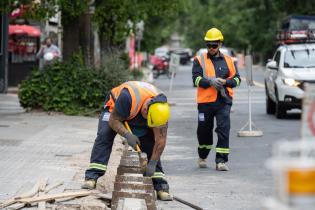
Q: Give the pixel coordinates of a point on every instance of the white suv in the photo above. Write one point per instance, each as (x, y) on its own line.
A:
(291, 66)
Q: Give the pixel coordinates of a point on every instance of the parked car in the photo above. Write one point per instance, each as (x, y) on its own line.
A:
(185, 55)
(286, 73)
(162, 52)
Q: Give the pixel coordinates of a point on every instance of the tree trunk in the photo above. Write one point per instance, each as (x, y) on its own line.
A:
(71, 34)
(85, 38)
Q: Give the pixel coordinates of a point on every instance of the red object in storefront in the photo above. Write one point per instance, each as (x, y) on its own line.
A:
(31, 30)
(16, 29)
(24, 30)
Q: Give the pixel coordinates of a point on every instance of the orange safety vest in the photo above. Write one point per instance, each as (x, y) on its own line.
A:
(139, 91)
(206, 95)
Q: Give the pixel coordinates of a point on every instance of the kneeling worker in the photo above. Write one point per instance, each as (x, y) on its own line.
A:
(146, 110)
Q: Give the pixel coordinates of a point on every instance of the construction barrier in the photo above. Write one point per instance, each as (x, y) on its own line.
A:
(293, 170)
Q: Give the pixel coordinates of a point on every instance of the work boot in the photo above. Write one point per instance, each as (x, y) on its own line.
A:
(164, 196)
(89, 184)
(202, 163)
(222, 167)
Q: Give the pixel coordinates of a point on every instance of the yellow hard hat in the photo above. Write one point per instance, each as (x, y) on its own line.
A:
(158, 114)
(214, 34)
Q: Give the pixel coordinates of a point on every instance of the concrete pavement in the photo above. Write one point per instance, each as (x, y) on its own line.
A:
(248, 182)
(34, 145)
(46, 145)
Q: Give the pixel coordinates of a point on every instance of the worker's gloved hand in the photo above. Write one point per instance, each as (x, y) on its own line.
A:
(216, 82)
(150, 169)
(225, 96)
(223, 93)
(132, 140)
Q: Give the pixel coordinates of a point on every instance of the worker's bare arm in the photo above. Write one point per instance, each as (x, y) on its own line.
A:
(116, 123)
(160, 134)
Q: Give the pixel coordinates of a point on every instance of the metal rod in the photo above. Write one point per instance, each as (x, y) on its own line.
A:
(187, 203)
(250, 108)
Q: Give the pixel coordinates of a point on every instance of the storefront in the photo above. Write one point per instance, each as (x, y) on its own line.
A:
(23, 45)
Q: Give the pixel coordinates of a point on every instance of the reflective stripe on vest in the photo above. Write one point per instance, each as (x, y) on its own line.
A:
(206, 95)
(139, 92)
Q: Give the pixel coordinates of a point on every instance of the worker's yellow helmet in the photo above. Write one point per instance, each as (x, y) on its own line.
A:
(214, 34)
(158, 114)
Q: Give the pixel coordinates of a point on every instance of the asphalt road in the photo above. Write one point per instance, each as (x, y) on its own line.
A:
(248, 182)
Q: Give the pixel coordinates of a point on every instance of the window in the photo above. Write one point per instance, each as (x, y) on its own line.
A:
(304, 58)
(277, 58)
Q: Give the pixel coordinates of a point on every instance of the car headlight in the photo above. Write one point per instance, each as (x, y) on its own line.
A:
(291, 82)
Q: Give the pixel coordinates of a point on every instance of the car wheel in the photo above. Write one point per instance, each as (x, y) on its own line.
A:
(270, 104)
(280, 110)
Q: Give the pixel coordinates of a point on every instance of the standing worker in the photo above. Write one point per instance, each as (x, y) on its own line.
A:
(214, 74)
(147, 112)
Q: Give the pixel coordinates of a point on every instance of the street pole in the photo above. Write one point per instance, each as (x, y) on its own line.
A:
(4, 53)
(249, 78)
(250, 108)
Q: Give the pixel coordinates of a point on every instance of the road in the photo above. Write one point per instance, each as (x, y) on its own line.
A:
(248, 182)
(35, 145)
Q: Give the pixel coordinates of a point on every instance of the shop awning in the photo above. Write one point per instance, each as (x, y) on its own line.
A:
(24, 30)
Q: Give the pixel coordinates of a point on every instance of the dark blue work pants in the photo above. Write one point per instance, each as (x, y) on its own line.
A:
(206, 115)
(103, 147)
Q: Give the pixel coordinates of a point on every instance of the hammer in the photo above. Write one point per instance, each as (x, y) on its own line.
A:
(144, 162)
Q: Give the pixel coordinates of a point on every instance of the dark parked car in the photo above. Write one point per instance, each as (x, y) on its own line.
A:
(185, 55)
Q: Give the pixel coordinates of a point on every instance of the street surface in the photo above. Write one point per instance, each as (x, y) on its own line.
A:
(248, 182)
(34, 145)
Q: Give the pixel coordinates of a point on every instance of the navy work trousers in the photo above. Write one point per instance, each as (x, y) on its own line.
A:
(103, 147)
(206, 115)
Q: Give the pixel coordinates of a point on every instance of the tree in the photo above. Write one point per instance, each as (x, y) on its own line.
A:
(246, 24)
(112, 16)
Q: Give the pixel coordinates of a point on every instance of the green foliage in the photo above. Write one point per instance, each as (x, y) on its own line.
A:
(71, 87)
(32, 10)
(246, 24)
(71, 9)
(112, 17)
(136, 74)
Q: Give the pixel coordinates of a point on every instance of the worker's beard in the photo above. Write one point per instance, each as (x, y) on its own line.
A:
(215, 54)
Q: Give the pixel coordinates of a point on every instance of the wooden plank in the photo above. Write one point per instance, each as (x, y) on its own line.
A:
(56, 196)
(27, 194)
(53, 186)
(42, 186)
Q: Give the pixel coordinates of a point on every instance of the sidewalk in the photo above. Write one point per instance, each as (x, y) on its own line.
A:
(36, 145)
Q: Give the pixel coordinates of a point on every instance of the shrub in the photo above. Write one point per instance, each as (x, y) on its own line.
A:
(71, 87)
(136, 74)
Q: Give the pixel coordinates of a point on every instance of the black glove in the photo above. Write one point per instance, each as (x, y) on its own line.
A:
(215, 82)
(132, 140)
(149, 171)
